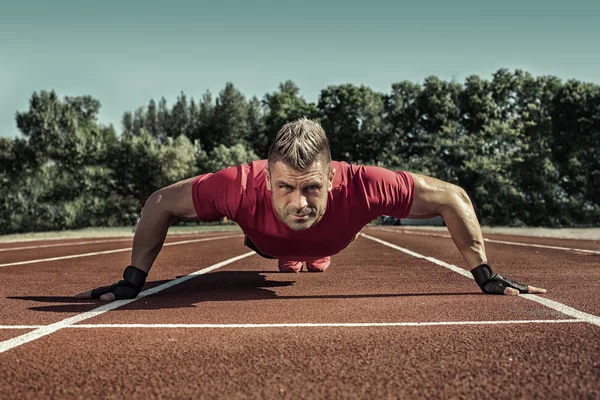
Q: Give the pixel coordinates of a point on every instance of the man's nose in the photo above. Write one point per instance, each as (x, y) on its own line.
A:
(299, 200)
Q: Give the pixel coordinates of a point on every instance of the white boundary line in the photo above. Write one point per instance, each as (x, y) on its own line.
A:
(317, 325)
(555, 305)
(21, 326)
(112, 251)
(48, 329)
(542, 246)
(71, 241)
(303, 325)
(109, 235)
(41, 246)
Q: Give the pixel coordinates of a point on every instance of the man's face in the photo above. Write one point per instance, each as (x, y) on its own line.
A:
(299, 197)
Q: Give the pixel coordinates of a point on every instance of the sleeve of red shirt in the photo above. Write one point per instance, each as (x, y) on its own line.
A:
(387, 192)
(217, 195)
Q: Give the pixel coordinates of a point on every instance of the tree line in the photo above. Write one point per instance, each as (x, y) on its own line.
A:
(526, 149)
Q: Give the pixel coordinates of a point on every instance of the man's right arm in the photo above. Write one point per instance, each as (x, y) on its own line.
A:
(161, 209)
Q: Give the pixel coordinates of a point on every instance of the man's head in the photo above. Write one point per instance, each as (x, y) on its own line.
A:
(298, 174)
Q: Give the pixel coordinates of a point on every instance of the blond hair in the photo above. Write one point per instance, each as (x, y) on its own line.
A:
(299, 144)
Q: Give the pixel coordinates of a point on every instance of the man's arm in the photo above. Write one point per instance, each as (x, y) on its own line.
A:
(161, 209)
(434, 197)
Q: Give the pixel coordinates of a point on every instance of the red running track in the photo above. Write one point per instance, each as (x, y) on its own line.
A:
(427, 331)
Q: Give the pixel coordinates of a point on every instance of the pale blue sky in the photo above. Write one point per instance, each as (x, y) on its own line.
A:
(125, 53)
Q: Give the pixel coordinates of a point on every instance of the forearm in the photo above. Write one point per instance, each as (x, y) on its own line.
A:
(150, 233)
(462, 223)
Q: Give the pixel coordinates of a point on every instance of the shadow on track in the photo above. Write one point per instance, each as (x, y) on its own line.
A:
(216, 286)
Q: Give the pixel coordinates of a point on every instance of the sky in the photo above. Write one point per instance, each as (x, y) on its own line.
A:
(125, 53)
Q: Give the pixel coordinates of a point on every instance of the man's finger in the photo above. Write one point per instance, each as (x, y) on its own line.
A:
(511, 291)
(536, 290)
(531, 290)
(84, 295)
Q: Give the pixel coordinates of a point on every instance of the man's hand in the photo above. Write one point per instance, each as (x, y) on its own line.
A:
(128, 288)
(491, 283)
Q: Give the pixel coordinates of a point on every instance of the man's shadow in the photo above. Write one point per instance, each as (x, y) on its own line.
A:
(215, 286)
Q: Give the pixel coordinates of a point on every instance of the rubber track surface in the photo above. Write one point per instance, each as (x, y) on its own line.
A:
(366, 283)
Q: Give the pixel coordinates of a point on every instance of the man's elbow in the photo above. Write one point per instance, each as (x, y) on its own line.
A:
(156, 201)
(462, 195)
(456, 201)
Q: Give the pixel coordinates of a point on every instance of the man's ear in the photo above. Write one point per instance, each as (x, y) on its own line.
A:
(268, 178)
(330, 183)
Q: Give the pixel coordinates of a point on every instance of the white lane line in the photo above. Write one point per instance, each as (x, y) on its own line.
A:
(108, 240)
(63, 244)
(113, 251)
(541, 246)
(21, 326)
(303, 325)
(555, 305)
(115, 236)
(335, 325)
(47, 330)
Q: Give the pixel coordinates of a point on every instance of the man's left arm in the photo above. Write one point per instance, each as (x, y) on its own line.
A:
(433, 197)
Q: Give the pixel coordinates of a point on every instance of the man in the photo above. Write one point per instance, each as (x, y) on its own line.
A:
(299, 206)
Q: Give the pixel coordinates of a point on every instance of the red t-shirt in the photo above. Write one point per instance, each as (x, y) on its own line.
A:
(360, 194)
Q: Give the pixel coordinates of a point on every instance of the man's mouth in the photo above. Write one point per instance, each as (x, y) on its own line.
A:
(299, 217)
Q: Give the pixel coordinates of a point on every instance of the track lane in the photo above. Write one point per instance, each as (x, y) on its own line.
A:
(350, 363)
(62, 241)
(15, 256)
(586, 244)
(570, 278)
(365, 283)
(457, 361)
(44, 294)
(6, 334)
(75, 245)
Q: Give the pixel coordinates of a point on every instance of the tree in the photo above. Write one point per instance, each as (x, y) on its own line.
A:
(401, 124)
(230, 118)
(180, 117)
(151, 124)
(353, 119)
(203, 130)
(281, 107)
(257, 137)
(222, 157)
(435, 149)
(576, 149)
(535, 170)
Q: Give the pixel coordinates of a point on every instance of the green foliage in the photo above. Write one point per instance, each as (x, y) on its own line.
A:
(353, 118)
(283, 106)
(222, 157)
(526, 149)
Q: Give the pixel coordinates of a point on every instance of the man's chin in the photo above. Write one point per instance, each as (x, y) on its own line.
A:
(300, 225)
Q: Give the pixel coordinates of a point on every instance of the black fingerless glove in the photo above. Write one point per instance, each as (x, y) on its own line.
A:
(491, 283)
(133, 281)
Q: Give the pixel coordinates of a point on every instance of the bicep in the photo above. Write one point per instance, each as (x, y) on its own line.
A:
(432, 197)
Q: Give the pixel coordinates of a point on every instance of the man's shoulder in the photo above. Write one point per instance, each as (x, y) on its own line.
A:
(250, 174)
(360, 176)
(347, 172)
